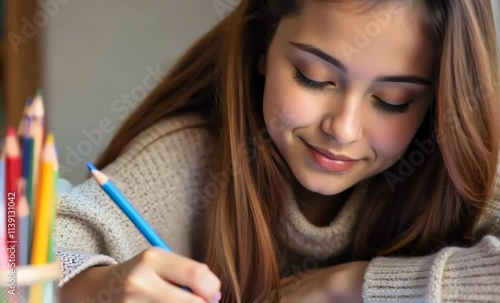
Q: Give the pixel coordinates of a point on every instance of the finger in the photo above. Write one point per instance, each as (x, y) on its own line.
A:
(184, 271)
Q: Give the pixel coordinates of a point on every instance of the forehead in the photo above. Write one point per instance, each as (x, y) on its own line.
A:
(387, 39)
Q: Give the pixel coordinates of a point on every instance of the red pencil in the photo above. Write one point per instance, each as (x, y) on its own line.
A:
(13, 174)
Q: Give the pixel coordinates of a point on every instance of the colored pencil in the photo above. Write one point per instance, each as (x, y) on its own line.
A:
(51, 249)
(45, 200)
(13, 174)
(23, 212)
(38, 131)
(3, 213)
(25, 118)
(37, 137)
(129, 210)
(29, 174)
(13, 161)
(43, 218)
(26, 132)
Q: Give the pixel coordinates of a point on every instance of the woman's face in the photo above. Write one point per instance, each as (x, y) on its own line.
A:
(345, 92)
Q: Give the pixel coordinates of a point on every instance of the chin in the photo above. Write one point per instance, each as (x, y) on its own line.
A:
(327, 186)
(329, 191)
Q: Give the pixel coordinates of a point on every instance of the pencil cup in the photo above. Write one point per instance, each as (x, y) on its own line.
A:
(30, 284)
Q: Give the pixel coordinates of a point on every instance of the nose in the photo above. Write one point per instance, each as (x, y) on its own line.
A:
(344, 123)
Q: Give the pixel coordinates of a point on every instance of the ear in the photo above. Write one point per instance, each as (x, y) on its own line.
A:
(262, 64)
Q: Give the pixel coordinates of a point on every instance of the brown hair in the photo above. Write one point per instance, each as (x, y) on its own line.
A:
(440, 201)
(436, 205)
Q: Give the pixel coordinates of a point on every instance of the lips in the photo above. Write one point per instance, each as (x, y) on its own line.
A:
(330, 161)
(330, 155)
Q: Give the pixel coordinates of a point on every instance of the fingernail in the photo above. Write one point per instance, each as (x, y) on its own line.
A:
(216, 298)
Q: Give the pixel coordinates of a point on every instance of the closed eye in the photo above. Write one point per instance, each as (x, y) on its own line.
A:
(391, 108)
(304, 81)
(379, 103)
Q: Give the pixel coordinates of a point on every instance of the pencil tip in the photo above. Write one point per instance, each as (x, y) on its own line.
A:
(91, 167)
(38, 106)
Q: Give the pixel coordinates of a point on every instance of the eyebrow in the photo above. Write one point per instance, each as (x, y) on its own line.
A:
(335, 62)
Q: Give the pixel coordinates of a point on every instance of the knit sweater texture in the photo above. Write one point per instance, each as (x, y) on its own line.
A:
(166, 173)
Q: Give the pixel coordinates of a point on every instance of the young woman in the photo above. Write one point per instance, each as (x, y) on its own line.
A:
(306, 151)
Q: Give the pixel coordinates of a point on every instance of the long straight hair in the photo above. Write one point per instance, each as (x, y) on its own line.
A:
(437, 204)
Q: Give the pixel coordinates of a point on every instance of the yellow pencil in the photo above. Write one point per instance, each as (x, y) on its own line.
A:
(45, 200)
(44, 207)
(55, 206)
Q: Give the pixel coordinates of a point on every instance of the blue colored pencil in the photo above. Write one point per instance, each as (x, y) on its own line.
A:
(128, 208)
(27, 157)
(121, 201)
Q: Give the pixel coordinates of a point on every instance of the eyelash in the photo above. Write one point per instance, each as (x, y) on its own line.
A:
(391, 108)
(303, 80)
(379, 103)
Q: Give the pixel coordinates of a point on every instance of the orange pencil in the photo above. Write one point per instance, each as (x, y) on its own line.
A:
(45, 201)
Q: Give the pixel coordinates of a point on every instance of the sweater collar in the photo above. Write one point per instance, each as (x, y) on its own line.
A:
(302, 237)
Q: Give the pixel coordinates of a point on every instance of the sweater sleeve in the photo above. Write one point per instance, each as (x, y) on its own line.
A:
(454, 274)
(161, 173)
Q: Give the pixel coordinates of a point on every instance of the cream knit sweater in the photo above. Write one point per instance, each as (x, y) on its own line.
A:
(165, 172)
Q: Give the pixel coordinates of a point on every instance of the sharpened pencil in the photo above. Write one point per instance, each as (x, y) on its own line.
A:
(45, 202)
(122, 202)
(127, 208)
(13, 175)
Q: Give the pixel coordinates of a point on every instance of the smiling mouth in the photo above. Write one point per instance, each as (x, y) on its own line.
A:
(329, 160)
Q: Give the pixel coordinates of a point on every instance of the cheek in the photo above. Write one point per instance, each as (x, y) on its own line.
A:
(287, 106)
(391, 139)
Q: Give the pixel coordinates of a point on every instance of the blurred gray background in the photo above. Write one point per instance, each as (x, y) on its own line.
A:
(101, 56)
(99, 59)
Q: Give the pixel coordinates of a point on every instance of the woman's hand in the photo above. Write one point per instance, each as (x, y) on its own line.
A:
(151, 276)
(341, 283)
